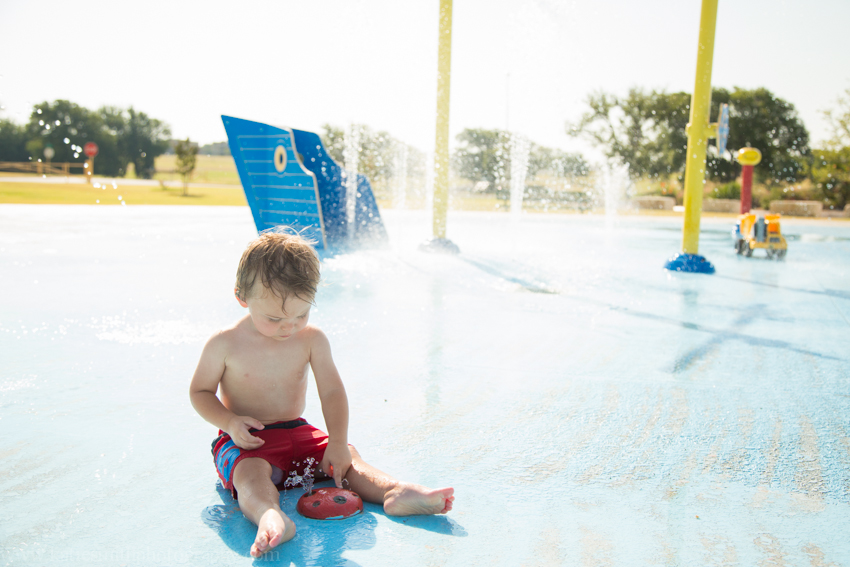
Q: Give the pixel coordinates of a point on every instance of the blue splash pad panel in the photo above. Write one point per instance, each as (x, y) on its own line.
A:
(588, 406)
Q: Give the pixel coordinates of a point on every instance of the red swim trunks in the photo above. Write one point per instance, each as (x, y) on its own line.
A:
(292, 446)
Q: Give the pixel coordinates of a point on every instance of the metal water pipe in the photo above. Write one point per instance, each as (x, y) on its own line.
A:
(439, 242)
(699, 131)
(748, 158)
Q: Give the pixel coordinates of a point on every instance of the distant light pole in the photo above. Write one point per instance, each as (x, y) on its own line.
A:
(507, 102)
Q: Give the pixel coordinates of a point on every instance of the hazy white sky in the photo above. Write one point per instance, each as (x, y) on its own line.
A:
(527, 64)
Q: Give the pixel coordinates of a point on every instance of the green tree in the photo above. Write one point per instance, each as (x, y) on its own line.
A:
(762, 120)
(839, 121)
(830, 172)
(141, 139)
(333, 138)
(68, 127)
(187, 158)
(485, 155)
(830, 166)
(646, 130)
(556, 162)
(13, 141)
(376, 151)
(122, 136)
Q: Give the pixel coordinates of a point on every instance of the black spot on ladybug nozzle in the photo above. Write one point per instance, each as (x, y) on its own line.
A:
(316, 504)
(340, 499)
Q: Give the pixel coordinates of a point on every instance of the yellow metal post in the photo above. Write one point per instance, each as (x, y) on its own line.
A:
(699, 130)
(441, 150)
(438, 242)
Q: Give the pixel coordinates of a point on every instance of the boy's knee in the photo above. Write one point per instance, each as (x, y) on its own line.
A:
(251, 468)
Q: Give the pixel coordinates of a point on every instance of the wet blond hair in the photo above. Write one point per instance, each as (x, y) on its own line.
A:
(284, 263)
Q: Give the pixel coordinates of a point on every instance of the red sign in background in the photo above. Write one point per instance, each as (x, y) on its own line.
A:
(90, 149)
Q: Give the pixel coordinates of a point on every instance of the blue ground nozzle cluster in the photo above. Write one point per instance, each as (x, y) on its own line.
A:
(691, 263)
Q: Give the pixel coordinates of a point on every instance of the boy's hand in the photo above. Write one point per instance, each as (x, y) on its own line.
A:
(238, 431)
(336, 462)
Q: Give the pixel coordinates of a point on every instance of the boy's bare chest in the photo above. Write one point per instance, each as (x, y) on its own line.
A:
(282, 366)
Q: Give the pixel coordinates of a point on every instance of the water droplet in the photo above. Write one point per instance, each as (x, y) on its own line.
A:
(67, 141)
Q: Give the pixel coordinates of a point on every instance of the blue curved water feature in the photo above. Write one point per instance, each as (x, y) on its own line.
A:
(588, 406)
(290, 180)
(368, 228)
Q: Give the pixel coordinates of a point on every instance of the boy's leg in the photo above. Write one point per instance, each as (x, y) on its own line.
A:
(259, 501)
(398, 498)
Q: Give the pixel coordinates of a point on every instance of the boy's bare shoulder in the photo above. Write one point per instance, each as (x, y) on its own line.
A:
(316, 340)
(313, 333)
(227, 337)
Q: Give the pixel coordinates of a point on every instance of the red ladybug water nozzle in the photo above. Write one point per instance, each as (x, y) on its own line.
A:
(330, 504)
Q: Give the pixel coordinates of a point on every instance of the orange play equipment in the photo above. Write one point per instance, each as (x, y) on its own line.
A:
(754, 232)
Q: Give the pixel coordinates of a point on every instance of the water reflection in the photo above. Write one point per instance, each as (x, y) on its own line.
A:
(317, 543)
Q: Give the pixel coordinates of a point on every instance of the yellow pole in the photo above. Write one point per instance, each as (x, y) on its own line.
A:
(699, 130)
(441, 150)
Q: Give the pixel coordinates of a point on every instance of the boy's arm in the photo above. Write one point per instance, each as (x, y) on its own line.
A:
(202, 393)
(337, 459)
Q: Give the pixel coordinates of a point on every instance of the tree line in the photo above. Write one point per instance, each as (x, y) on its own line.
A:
(482, 157)
(646, 131)
(485, 156)
(123, 136)
(643, 129)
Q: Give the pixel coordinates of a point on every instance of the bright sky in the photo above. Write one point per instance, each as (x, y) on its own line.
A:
(527, 65)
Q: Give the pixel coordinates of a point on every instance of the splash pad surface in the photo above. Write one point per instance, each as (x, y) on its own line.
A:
(588, 406)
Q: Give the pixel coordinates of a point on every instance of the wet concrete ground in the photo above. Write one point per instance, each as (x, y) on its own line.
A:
(589, 407)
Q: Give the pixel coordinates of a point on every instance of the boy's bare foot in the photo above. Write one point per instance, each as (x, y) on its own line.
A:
(273, 529)
(412, 499)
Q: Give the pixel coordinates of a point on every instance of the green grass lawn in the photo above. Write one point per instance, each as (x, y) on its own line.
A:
(209, 169)
(74, 194)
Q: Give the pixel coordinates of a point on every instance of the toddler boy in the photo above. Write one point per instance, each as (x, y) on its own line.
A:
(259, 369)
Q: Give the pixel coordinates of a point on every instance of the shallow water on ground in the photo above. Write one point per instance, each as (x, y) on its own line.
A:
(589, 407)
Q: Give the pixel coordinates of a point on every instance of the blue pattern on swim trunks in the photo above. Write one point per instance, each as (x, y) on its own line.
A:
(226, 457)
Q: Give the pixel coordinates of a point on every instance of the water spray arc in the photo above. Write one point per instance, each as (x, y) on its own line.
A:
(520, 146)
(699, 131)
(439, 242)
(351, 156)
